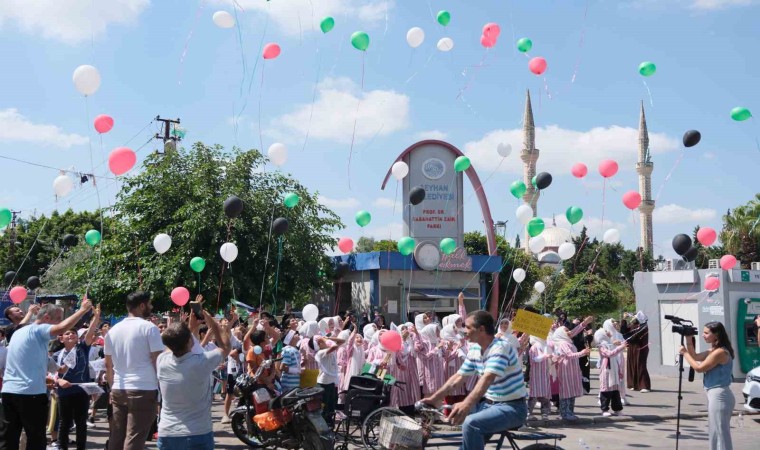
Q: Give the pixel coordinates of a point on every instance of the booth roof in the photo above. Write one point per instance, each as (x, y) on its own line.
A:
(397, 261)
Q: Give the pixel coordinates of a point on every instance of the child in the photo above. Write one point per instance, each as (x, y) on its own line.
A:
(328, 377)
(610, 372)
(568, 371)
(290, 366)
(350, 358)
(539, 384)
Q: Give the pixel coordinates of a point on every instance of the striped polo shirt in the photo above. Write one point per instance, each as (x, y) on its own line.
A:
(291, 357)
(500, 359)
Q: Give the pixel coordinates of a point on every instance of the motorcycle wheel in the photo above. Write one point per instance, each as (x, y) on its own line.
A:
(313, 441)
(241, 431)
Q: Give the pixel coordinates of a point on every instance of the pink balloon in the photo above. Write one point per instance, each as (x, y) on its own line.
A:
(608, 168)
(706, 236)
(180, 296)
(727, 262)
(103, 123)
(121, 160)
(271, 51)
(391, 340)
(631, 199)
(18, 294)
(491, 30)
(712, 283)
(345, 244)
(579, 170)
(537, 65)
(487, 41)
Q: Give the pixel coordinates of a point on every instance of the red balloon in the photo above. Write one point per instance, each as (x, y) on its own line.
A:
(491, 30)
(537, 65)
(391, 340)
(180, 296)
(608, 168)
(18, 294)
(579, 170)
(487, 41)
(706, 236)
(121, 160)
(345, 244)
(271, 51)
(727, 262)
(103, 123)
(712, 283)
(631, 199)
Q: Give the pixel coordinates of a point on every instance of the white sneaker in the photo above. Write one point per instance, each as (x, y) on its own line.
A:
(226, 419)
(606, 414)
(598, 402)
(644, 391)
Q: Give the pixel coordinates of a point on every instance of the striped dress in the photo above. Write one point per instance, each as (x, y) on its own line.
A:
(409, 393)
(610, 381)
(454, 354)
(435, 375)
(307, 355)
(568, 370)
(539, 383)
(291, 357)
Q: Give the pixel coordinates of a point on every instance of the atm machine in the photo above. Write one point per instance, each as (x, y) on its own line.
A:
(748, 351)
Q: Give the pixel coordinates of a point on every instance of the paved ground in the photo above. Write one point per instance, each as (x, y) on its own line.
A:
(647, 422)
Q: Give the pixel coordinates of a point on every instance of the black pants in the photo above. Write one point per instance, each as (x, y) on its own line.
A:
(330, 400)
(73, 408)
(24, 412)
(611, 396)
(585, 373)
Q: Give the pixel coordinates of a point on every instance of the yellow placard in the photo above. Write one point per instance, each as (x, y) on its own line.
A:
(532, 323)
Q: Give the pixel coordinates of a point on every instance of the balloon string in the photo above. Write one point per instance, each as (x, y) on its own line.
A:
(479, 66)
(253, 74)
(97, 189)
(240, 41)
(580, 43)
(430, 57)
(651, 102)
(221, 274)
(604, 199)
(277, 275)
(187, 41)
(261, 90)
(356, 120)
(266, 259)
(482, 185)
(27, 254)
(678, 161)
(313, 99)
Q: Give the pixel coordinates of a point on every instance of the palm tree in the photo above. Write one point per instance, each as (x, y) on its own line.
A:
(741, 231)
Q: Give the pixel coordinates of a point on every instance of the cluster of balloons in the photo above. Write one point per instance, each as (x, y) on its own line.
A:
(490, 34)
(278, 154)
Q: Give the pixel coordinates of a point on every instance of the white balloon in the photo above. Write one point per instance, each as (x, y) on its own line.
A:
(310, 313)
(504, 150)
(399, 170)
(536, 244)
(162, 243)
(86, 79)
(415, 37)
(612, 236)
(566, 250)
(539, 287)
(445, 44)
(278, 154)
(63, 185)
(524, 213)
(229, 251)
(223, 19)
(519, 275)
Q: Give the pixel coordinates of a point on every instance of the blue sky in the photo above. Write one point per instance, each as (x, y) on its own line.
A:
(705, 51)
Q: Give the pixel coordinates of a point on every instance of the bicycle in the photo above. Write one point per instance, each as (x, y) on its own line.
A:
(425, 431)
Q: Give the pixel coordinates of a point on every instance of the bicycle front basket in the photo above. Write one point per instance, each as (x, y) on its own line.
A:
(400, 432)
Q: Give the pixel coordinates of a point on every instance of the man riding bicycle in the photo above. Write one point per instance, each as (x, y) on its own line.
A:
(497, 403)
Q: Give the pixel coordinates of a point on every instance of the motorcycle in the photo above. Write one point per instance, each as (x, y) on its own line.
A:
(292, 420)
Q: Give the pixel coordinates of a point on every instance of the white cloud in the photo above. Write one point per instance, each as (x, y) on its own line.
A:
(383, 202)
(14, 127)
(673, 213)
(697, 5)
(431, 134)
(392, 230)
(70, 21)
(335, 110)
(296, 16)
(338, 203)
(561, 148)
(709, 155)
(711, 5)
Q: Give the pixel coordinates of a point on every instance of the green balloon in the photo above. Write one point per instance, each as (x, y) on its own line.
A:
(647, 68)
(92, 237)
(535, 226)
(363, 218)
(291, 200)
(518, 189)
(533, 181)
(740, 113)
(462, 163)
(197, 264)
(406, 245)
(448, 245)
(327, 24)
(574, 214)
(524, 44)
(5, 217)
(360, 40)
(444, 17)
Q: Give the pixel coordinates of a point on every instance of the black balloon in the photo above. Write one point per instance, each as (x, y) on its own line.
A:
(416, 195)
(280, 225)
(691, 138)
(690, 254)
(70, 240)
(233, 206)
(543, 180)
(681, 244)
(33, 282)
(342, 269)
(9, 277)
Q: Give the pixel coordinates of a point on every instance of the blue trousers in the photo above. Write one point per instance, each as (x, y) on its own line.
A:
(487, 419)
(195, 442)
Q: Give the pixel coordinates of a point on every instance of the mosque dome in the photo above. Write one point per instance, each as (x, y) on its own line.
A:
(555, 236)
(548, 257)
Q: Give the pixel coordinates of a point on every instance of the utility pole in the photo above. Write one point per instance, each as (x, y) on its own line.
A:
(168, 136)
(12, 236)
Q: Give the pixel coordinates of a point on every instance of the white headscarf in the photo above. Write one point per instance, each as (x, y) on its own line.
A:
(419, 321)
(369, 331)
(451, 319)
(560, 335)
(602, 338)
(609, 327)
(324, 328)
(538, 342)
(641, 317)
(430, 334)
(344, 335)
(309, 329)
(449, 333)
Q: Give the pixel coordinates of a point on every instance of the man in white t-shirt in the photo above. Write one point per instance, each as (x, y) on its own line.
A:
(131, 349)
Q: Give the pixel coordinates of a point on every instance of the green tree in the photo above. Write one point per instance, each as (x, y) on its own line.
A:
(587, 294)
(364, 245)
(385, 245)
(705, 254)
(741, 232)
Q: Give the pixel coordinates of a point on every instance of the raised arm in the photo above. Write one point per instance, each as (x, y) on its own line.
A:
(72, 320)
(94, 321)
(33, 309)
(221, 332)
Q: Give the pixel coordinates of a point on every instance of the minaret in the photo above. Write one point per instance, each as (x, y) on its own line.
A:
(529, 156)
(644, 168)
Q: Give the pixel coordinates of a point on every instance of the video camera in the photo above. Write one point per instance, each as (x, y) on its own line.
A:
(679, 327)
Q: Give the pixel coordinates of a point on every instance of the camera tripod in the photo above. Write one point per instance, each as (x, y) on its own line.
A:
(683, 330)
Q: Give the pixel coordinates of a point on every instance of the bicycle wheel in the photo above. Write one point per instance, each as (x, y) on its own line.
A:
(371, 426)
(542, 447)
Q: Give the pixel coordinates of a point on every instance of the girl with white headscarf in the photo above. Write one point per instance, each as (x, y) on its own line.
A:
(610, 372)
(616, 338)
(420, 320)
(454, 354)
(409, 393)
(539, 384)
(350, 359)
(568, 371)
(432, 357)
(307, 331)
